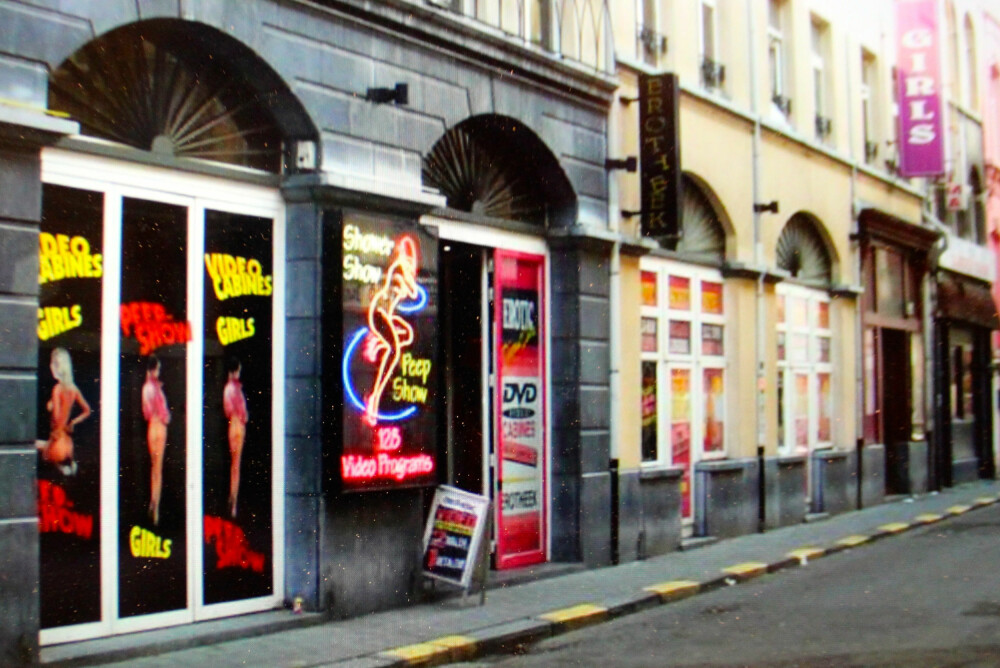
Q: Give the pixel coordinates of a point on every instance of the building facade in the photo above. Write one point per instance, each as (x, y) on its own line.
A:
(293, 264)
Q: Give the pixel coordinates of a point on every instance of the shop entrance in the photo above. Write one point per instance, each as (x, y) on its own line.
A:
(495, 437)
(159, 479)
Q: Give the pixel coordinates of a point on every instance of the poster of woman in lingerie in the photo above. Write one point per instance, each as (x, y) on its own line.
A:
(157, 415)
(58, 450)
(234, 404)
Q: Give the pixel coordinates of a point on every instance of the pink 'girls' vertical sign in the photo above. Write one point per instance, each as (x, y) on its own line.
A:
(921, 127)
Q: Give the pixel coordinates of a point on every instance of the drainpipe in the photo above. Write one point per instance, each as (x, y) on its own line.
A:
(615, 335)
(859, 331)
(758, 260)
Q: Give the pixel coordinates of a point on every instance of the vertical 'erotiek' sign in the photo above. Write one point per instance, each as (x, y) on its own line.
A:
(921, 127)
(660, 154)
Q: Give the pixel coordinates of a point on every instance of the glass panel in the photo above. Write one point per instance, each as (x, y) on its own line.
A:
(889, 283)
(648, 327)
(917, 385)
(799, 348)
(711, 340)
(800, 311)
(680, 337)
(711, 297)
(824, 433)
(236, 419)
(680, 431)
(649, 412)
(648, 288)
(801, 409)
(871, 424)
(680, 293)
(823, 315)
(714, 410)
(71, 271)
(708, 30)
(152, 409)
(781, 346)
(781, 408)
(823, 348)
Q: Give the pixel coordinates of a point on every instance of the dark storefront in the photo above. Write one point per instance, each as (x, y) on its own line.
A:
(966, 318)
(894, 269)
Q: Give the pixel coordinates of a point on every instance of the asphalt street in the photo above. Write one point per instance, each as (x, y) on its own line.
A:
(930, 597)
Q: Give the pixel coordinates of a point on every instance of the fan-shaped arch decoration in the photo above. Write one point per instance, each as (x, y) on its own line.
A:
(702, 234)
(139, 86)
(802, 251)
(494, 166)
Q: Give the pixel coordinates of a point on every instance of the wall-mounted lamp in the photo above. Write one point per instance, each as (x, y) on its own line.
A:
(629, 164)
(628, 100)
(762, 208)
(400, 94)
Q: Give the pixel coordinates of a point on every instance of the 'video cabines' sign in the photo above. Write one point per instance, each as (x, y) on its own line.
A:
(383, 365)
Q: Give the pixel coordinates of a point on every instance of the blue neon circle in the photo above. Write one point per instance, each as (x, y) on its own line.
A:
(349, 387)
(413, 307)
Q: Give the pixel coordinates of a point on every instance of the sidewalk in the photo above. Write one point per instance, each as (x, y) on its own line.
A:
(451, 630)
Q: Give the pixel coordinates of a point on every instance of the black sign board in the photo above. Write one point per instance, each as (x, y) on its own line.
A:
(380, 361)
(455, 530)
(660, 154)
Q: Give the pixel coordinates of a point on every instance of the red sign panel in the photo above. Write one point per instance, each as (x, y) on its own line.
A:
(520, 409)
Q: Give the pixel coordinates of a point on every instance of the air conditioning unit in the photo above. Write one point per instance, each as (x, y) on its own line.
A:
(653, 42)
(783, 103)
(824, 126)
(713, 74)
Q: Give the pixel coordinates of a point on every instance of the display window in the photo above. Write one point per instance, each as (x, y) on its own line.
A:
(684, 374)
(805, 373)
(158, 475)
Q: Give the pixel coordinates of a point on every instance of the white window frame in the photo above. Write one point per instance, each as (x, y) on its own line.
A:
(776, 48)
(118, 179)
(712, 7)
(695, 361)
(811, 366)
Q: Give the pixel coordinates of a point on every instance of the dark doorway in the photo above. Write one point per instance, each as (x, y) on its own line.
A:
(896, 409)
(462, 334)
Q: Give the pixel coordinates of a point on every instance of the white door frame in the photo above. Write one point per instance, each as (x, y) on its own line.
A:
(118, 179)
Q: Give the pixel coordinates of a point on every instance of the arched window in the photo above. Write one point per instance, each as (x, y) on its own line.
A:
(154, 87)
(702, 234)
(495, 166)
(802, 252)
(804, 335)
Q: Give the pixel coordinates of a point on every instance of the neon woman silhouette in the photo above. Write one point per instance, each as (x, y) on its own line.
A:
(389, 332)
(154, 409)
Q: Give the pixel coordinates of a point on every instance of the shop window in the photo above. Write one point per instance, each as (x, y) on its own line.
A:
(805, 370)
(683, 376)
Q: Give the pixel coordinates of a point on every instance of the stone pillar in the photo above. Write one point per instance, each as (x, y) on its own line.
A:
(580, 397)
(22, 133)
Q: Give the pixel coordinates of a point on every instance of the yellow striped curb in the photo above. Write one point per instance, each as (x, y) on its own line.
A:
(576, 616)
(745, 571)
(853, 541)
(985, 500)
(958, 510)
(804, 554)
(420, 654)
(894, 527)
(928, 518)
(460, 647)
(674, 589)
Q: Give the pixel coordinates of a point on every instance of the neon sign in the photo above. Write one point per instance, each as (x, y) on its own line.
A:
(64, 256)
(56, 320)
(235, 276)
(152, 326)
(386, 365)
